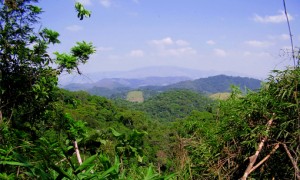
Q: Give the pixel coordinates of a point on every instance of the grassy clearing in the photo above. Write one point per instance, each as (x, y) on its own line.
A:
(220, 96)
(135, 96)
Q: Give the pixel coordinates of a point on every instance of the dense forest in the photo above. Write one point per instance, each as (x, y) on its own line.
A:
(51, 133)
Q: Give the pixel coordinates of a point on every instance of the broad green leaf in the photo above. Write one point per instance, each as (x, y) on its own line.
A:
(87, 163)
(116, 133)
(110, 170)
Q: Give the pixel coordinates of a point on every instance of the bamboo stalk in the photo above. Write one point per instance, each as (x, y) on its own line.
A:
(77, 152)
(253, 158)
(265, 158)
(297, 171)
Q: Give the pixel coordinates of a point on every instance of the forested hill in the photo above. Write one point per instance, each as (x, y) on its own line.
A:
(214, 84)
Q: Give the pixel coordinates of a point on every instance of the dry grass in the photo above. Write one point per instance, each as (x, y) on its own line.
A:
(135, 96)
(220, 96)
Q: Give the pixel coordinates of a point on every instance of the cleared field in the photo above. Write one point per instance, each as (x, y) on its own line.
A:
(220, 96)
(135, 96)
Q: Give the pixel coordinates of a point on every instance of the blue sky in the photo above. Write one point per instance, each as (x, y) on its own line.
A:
(242, 36)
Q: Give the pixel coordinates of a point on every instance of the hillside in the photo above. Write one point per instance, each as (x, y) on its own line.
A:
(117, 83)
(171, 105)
(215, 84)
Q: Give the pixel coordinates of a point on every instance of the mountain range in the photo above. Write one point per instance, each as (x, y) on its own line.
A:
(118, 87)
(156, 71)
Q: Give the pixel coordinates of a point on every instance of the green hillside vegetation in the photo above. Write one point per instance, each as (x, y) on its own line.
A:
(51, 133)
(135, 96)
(102, 117)
(171, 105)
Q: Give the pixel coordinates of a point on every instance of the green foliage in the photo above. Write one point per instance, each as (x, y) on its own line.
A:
(83, 50)
(82, 12)
(115, 130)
(79, 54)
(171, 105)
(51, 35)
(28, 79)
(74, 129)
(130, 146)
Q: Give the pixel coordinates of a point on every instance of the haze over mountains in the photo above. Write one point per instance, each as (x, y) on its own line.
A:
(158, 71)
(114, 83)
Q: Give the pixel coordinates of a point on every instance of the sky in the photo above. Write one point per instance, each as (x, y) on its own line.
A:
(248, 37)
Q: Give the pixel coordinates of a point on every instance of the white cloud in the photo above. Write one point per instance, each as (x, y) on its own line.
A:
(136, 53)
(220, 52)
(169, 41)
(105, 3)
(169, 47)
(182, 43)
(74, 28)
(85, 2)
(210, 42)
(272, 19)
(162, 42)
(259, 44)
